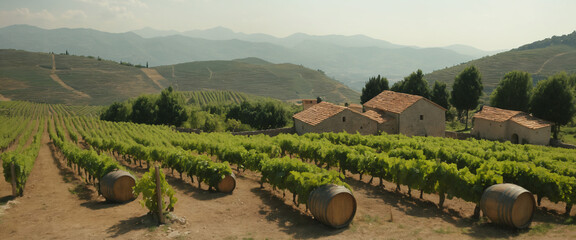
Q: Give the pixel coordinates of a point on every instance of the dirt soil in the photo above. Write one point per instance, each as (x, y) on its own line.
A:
(57, 204)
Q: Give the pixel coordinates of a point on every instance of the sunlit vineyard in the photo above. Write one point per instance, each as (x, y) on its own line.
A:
(297, 165)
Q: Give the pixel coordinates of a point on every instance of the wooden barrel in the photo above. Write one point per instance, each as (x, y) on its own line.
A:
(508, 204)
(228, 184)
(117, 186)
(332, 205)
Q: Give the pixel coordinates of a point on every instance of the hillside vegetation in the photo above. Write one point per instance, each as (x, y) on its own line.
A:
(541, 62)
(254, 76)
(74, 80)
(79, 80)
(216, 97)
(350, 59)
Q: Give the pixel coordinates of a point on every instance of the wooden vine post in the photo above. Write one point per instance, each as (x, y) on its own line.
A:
(159, 197)
(13, 177)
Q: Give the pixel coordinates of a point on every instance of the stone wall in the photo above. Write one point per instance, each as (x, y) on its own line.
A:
(457, 135)
(269, 132)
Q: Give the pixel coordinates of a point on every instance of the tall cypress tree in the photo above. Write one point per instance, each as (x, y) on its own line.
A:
(373, 87)
(467, 90)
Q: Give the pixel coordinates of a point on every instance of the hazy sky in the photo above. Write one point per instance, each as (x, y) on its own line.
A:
(485, 24)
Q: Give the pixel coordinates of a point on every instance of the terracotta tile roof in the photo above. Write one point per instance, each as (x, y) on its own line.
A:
(530, 121)
(376, 116)
(395, 102)
(318, 113)
(496, 114)
(502, 115)
(355, 107)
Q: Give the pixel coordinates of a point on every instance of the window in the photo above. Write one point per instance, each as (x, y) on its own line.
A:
(421, 117)
(343, 119)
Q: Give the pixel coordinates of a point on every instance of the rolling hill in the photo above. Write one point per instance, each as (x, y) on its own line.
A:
(255, 76)
(349, 59)
(78, 80)
(541, 59)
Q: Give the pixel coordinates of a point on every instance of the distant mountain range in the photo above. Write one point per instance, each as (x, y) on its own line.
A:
(541, 59)
(77, 80)
(348, 59)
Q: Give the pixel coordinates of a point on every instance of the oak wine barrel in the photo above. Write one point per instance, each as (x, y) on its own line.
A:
(332, 205)
(228, 184)
(116, 186)
(508, 204)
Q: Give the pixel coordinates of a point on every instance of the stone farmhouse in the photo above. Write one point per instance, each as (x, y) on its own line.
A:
(408, 114)
(389, 112)
(328, 117)
(507, 125)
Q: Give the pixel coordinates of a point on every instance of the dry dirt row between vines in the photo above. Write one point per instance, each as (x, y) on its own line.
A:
(57, 204)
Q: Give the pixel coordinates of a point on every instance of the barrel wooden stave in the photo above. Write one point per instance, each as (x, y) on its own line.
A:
(228, 184)
(116, 186)
(332, 205)
(508, 204)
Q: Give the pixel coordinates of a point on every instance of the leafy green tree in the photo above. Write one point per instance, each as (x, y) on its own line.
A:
(440, 94)
(261, 114)
(513, 92)
(170, 108)
(117, 112)
(467, 90)
(373, 87)
(144, 110)
(413, 84)
(553, 100)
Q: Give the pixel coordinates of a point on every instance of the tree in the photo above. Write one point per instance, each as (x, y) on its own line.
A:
(170, 108)
(260, 115)
(513, 92)
(413, 84)
(144, 110)
(440, 94)
(467, 90)
(117, 112)
(373, 87)
(553, 100)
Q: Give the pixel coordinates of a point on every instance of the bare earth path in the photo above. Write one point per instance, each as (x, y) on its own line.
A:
(547, 61)
(154, 76)
(58, 205)
(2, 98)
(62, 83)
(49, 210)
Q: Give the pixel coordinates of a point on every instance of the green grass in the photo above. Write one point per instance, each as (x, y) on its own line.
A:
(568, 134)
(370, 219)
(457, 126)
(442, 230)
(541, 229)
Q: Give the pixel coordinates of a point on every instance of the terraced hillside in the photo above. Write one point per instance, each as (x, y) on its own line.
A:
(79, 80)
(540, 62)
(255, 76)
(75, 80)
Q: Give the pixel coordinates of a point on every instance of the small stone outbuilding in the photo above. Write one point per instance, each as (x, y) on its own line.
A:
(408, 114)
(508, 125)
